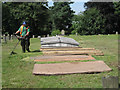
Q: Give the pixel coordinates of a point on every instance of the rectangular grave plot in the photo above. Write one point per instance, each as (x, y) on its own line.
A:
(70, 68)
(64, 58)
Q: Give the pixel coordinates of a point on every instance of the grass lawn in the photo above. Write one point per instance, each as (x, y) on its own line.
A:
(17, 69)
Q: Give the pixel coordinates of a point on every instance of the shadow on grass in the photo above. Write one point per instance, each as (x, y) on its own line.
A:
(65, 74)
(36, 51)
(13, 53)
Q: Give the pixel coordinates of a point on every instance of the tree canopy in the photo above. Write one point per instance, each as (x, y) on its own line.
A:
(62, 16)
(35, 14)
(107, 10)
(98, 17)
(89, 23)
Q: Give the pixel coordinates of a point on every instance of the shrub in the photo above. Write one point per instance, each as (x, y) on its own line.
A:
(74, 32)
(55, 32)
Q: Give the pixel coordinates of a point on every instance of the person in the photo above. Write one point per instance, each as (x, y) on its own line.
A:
(24, 33)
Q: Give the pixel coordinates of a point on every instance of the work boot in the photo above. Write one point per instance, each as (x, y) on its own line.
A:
(28, 50)
(23, 51)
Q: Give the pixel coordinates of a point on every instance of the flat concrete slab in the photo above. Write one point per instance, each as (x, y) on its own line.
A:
(70, 68)
(63, 58)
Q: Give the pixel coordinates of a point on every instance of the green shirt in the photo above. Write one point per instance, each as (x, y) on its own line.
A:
(24, 31)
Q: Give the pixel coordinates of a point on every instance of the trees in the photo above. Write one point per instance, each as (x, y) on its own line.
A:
(36, 14)
(62, 16)
(76, 23)
(93, 22)
(117, 8)
(41, 18)
(107, 11)
(8, 21)
(99, 17)
(117, 14)
(90, 22)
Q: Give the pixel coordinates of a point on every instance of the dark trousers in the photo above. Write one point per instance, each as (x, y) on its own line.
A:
(25, 43)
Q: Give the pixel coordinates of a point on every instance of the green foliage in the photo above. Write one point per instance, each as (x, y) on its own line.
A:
(107, 10)
(74, 32)
(8, 21)
(117, 8)
(75, 22)
(41, 18)
(90, 22)
(117, 13)
(99, 17)
(62, 16)
(55, 32)
(35, 14)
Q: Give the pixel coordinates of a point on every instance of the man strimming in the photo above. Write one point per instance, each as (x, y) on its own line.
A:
(24, 33)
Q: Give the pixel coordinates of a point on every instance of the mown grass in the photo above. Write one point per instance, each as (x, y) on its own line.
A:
(17, 69)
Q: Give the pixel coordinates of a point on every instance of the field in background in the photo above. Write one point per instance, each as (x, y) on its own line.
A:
(17, 69)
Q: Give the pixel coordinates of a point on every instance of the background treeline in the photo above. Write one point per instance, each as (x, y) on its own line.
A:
(98, 18)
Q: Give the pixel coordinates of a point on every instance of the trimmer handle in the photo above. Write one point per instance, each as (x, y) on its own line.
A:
(20, 38)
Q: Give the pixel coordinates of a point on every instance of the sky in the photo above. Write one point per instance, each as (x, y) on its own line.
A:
(77, 6)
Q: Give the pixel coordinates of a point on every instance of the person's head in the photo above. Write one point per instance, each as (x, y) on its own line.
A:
(24, 23)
